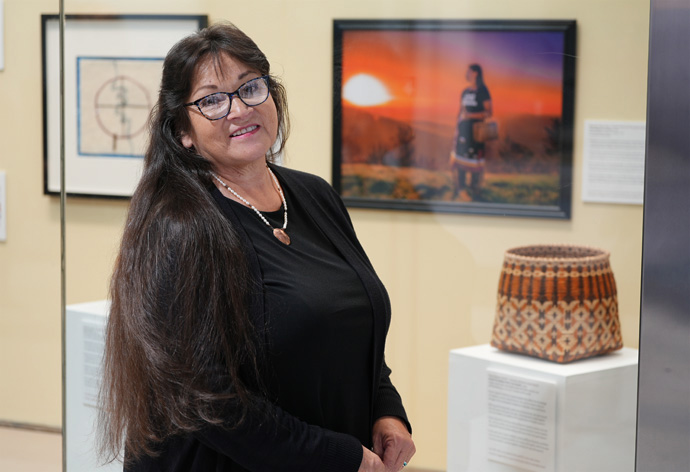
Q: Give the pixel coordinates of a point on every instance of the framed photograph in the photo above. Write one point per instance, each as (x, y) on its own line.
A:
(113, 66)
(454, 116)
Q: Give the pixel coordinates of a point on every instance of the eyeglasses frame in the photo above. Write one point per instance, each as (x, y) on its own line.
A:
(230, 96)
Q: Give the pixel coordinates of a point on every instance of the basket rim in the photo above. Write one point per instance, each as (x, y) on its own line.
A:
(601, 254)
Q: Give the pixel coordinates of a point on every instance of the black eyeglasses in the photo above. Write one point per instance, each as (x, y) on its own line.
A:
(218, 105)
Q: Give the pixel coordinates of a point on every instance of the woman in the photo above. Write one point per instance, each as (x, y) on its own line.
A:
(475, 106)
(236, 342)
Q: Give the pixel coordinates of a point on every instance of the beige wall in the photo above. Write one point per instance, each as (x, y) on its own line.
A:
(441, 270)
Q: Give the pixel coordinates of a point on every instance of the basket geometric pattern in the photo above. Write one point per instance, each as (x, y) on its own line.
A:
(557, 302)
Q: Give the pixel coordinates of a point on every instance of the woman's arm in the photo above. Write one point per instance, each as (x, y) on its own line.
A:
(462, 113)
(388, 401)
(392, 433)
(273, 440)
(488, 109)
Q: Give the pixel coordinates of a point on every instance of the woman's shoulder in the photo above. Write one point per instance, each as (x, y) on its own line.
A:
(310, 181)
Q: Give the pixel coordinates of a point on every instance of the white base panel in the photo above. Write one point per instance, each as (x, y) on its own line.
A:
(595, 410)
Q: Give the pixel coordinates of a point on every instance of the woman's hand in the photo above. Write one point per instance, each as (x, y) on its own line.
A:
(393, 443)
(371, 462)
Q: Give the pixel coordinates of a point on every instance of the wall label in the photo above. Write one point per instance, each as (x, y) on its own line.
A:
(614, 155)
(521, 421)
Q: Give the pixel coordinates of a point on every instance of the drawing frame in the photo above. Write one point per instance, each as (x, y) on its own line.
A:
(365, 171)
(113, 39)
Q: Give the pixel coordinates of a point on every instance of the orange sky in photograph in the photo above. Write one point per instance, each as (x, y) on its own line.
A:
(424, 72)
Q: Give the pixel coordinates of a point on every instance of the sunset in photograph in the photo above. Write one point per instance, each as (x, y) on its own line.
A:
(424, 72)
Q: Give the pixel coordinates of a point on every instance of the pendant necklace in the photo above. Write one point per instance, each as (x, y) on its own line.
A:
(279, 233)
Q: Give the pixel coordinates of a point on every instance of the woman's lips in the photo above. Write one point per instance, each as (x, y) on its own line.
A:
(248, 130)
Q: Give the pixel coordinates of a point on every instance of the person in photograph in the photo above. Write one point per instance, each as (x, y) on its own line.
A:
(475, 107)
(247, 327)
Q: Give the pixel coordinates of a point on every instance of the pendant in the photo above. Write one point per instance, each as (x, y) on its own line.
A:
(281, 236)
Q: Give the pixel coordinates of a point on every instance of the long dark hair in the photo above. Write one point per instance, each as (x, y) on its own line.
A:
(179, 342)
(480, 75)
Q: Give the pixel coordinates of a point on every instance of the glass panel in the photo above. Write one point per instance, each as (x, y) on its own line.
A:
(29, 233)
(441, 269)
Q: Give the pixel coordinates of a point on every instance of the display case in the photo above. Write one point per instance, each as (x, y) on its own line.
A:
(441, 269)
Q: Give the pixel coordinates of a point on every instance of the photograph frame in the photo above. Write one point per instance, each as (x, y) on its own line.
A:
(96, 164)
(560, 197)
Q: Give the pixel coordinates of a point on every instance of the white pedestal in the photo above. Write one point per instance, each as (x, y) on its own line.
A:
(85, 326)
(585, 422)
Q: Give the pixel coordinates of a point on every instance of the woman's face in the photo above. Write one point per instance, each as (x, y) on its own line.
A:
(242, 137)
(471, 76)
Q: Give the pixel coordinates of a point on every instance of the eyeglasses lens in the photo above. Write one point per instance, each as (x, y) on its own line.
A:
(215, 106)
(252, 93)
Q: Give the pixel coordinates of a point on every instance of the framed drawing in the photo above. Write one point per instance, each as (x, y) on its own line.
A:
(113, 66)
(454, 116)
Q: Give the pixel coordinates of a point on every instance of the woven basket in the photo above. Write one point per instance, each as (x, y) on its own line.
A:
(557, 302)
(483, 131)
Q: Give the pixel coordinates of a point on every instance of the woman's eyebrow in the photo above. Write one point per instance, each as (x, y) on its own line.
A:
(215, 87)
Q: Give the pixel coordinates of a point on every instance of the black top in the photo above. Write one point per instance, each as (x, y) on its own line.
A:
(319, 323)
(473, 99)
(278, 440)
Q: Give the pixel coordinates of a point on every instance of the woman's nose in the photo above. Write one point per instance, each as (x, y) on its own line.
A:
(237, 108)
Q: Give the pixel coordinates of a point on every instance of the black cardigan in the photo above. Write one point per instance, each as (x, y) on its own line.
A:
(279, 441)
